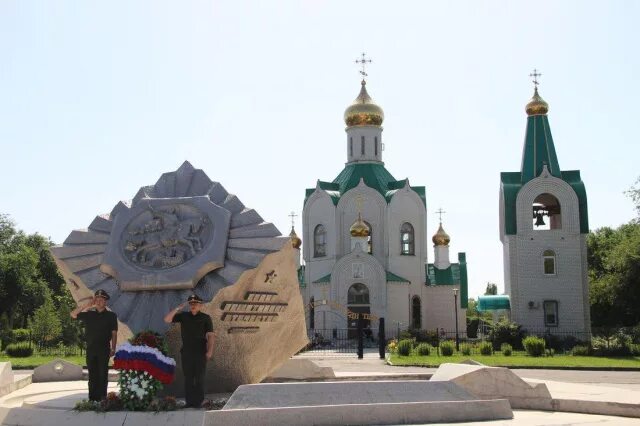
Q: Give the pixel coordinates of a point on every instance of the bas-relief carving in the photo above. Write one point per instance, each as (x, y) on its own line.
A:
(166, 237)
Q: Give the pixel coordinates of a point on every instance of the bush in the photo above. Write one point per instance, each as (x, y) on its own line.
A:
(465, 349)
(423, 349)
(404, 347)
(506, 349)
(581, 350)
(506, 332)
(472, 327)
(486, 348)
(447, 348)
(19, 350)
(392, 346)
(610, 346)
(534, 345)
(21, 335)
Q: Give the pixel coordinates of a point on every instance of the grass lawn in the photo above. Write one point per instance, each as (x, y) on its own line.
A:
(499, 360)
(37, 360)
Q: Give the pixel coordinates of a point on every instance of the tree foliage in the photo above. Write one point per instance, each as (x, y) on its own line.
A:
(614, 275)
(492, 289)
(45, 325)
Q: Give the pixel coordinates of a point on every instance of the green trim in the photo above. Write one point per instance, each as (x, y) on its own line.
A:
(391, 277)
(456, 273)
(325, 279)
(374, 176)
(538, 151)
(493, 303)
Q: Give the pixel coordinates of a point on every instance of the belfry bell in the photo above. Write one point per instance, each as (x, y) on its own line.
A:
(539, 219)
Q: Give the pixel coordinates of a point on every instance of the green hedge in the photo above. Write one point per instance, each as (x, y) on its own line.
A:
(19, 350)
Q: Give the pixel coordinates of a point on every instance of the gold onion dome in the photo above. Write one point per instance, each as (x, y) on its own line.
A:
(441, 238)
(296, 242)
(363, 111)
(359, 228)
(537, 105)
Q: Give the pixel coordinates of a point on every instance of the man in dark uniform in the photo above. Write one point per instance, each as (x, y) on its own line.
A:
(197, 347)
(101, 330)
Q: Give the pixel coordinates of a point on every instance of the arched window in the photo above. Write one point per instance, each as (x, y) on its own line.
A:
(319, 241)
(407, 241)
(549, 262)
(312, 313)
(369, 238)
(546, 213)
(358, 294)
(416, 313)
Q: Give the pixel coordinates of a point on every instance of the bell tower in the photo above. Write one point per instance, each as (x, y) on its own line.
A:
(543, 227)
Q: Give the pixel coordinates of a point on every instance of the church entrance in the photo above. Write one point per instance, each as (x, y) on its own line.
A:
(358, 305)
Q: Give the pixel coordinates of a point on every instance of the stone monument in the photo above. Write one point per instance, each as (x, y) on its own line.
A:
(186, 234)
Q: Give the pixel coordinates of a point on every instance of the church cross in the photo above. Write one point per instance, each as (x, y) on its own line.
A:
(359, 201)
(535, 74)
(440, 212)
(363, 62)
(293, 216)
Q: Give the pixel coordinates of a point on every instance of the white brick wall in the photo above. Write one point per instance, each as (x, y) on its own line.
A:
(525, 280)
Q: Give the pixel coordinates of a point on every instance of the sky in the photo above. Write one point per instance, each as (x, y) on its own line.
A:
(100, 98)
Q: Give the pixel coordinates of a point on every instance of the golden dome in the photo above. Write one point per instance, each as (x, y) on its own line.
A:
(359, 228)
(296, 242)
(441, 238)
(363, 111)
(537, 105)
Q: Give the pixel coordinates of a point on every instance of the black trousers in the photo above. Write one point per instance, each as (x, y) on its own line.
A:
(98, 365)
(194, 365)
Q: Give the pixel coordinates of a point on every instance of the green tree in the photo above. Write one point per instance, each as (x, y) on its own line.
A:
(45, 325)
(614, 275)
(492, 289)
(71, 329)
(634, 194)
(18, 268)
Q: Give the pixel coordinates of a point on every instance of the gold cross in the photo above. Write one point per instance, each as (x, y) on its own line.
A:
(535, 74)
(359, 201)
(440, 212)
(363, 62)
(293, 216)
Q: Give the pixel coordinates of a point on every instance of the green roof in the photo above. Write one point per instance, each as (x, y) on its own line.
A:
(493, 303)
(456, 273)
(374, 175)
(539, 151)
(390, 277)
(395, 278)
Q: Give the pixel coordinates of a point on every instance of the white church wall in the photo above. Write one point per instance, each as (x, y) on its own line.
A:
(406, 206)
(440, 309)
(370, 135)
(397, 308)
(373, 212)
(527, 283)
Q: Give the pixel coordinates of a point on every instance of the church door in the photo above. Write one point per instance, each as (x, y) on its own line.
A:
(358, 304)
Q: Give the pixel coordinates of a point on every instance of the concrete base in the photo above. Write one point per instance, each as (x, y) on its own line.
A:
(300, 369)
(362, 403)
(495, 383)
(6, 373)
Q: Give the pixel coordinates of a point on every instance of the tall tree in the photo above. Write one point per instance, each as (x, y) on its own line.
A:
(634, 194)
(492, 289)
(18, 269)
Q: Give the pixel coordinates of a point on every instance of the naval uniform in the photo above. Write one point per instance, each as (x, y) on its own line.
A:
(194, 329)
(98, 328)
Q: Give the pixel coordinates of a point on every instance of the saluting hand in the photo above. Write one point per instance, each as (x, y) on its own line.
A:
(209, 354)
(181, 306)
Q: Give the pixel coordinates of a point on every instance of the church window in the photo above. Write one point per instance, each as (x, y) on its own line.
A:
(351, 146)
(369, 238)
(546, 213)
(550, 313)
(312, 313)
(416, 313)
(319, 241)
(375, 144)
(358, 294)
(549, 262)
(362, 146)
(407, 240)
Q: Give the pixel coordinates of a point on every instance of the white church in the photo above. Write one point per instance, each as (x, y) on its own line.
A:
(366, 249)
